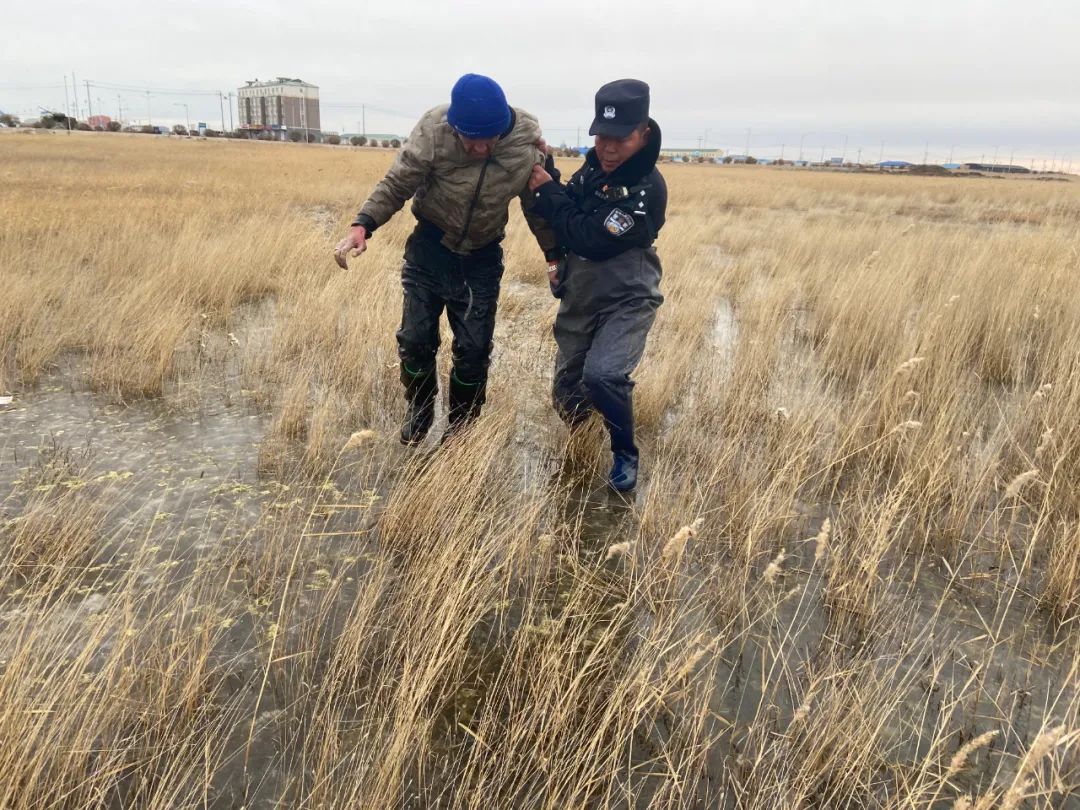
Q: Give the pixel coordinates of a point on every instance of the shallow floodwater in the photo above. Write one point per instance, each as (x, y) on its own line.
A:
(196, 475)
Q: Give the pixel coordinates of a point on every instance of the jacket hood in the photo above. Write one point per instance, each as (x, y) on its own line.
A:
(636, 167)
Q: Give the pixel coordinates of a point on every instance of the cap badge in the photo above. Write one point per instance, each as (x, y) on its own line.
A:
(609, 112)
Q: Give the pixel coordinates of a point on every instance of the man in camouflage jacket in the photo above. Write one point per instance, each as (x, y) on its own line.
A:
(462, 166)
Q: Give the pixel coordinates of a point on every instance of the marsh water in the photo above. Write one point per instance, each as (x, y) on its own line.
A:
(193, 478)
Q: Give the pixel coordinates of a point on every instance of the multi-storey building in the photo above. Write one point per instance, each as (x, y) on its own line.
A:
(280, 107)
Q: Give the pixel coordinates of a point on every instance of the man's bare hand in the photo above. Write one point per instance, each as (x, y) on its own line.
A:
(539, 177)
(355, 242)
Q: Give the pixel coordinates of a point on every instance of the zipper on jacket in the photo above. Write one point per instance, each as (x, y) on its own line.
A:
(472, 205)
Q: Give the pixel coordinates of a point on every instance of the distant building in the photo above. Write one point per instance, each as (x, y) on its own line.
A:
(995, 168)
(279, 107)
(96, 121)
(894, 164)
(690, 154)
(373, 137)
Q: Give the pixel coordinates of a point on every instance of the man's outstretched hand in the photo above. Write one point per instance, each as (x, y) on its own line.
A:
(355, 242)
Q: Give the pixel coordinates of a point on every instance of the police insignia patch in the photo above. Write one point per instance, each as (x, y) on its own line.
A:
(618, 222)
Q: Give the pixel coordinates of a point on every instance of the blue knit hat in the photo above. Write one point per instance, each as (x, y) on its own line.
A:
(478, 107)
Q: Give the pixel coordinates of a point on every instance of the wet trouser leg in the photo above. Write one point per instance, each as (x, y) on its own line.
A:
(422, 306)
(568, 393)
(471, 309)
(418, 343)
(614, 349)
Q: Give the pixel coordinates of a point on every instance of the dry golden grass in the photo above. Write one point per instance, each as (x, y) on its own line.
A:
(850, 578)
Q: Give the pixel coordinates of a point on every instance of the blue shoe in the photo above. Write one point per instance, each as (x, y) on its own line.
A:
(623, 477)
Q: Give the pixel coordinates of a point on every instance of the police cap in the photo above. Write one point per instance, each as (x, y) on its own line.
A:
(621, 107)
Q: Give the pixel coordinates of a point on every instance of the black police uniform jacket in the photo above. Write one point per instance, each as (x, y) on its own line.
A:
(607, 224)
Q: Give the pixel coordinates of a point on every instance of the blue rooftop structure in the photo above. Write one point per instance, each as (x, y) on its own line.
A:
(895, 164)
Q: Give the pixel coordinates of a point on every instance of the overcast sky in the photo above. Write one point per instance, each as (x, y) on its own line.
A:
(954, 73)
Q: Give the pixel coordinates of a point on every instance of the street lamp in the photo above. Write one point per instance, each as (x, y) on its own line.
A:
(187, 117)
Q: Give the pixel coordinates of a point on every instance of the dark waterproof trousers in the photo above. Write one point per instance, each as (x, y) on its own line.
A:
(605, 314)
(434, 279)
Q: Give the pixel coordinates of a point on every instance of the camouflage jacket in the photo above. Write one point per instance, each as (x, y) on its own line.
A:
(466, 198)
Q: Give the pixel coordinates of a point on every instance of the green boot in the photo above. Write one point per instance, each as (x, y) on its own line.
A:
(420, 390)
(466, 399)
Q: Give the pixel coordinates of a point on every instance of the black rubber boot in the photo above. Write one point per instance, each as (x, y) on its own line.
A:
(465, 402)
(420, 391)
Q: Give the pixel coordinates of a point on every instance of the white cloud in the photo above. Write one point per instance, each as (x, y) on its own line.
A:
(987, 71)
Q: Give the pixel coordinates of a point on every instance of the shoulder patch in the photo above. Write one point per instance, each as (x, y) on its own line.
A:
(618, 222)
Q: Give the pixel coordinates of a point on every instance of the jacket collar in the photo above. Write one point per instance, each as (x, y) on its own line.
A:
(636, 167)
(510, 127)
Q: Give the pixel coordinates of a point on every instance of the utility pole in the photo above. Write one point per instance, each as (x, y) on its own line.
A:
(699, 143)
(823, 155)
(119, 110)
(926, 154)
(67, 112)
(952, 151)
(89, 109)
(187, 116)
(782, 153)
(802, 138)
(363, 120)
(747, 152)
(994, 164)
(231, 129)
(843, 152)
(221, 108)
(75, 94)
(1012, 154)
(577, 143)
(858, 160)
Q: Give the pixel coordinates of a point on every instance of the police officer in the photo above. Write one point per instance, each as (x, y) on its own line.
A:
(607, 218)
(463, 165)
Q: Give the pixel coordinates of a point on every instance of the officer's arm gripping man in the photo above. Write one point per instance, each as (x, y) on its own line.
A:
(601, 233)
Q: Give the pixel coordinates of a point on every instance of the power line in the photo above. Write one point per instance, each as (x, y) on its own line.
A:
(364, 106)
(7, 86)
(151, 90)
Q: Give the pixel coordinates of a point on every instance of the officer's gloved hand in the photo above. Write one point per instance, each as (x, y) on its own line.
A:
(550, 168)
